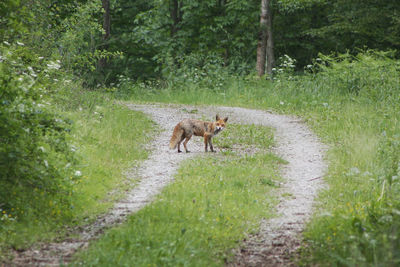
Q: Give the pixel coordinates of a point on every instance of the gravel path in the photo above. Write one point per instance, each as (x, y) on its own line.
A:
(278, 238)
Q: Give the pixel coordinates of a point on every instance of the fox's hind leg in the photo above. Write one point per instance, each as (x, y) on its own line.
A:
(179, 143)
(186, 141)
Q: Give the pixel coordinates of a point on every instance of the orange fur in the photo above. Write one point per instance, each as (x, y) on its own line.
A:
(185, 129)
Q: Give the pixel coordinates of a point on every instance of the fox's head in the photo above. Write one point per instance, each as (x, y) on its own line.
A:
(219, 124)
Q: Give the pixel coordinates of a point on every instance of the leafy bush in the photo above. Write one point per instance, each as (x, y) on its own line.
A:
(193, 72)
(204, 71)
(36, 162)
(78, 44)
(372, 74)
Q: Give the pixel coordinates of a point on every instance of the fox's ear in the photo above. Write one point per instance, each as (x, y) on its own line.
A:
(226, 119)
(217, 117)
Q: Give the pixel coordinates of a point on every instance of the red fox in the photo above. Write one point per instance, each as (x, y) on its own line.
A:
(189, 127)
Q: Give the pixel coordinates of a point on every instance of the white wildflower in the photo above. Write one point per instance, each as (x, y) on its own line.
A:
(53, 65)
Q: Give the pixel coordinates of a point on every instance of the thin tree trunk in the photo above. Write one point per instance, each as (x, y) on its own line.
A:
(270, 41)
(106, 28)
(175, 17)
(262, 39)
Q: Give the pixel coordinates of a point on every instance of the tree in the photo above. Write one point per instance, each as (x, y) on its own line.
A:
(265, 47)
(270, 41)
(176, 16)
(262, 40)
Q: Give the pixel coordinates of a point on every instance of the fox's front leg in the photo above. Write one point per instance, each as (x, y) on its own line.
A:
(211, 145)
(207, 140)
(206, 136)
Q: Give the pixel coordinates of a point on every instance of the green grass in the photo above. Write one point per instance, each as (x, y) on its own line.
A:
(244, 136)
(214, 201)
(108, 139)
(353, 105)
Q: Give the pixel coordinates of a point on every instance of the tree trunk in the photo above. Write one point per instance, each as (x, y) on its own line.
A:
(176, 16)
(262, 39)
(265, 47)
(270, 41)
(106, 28)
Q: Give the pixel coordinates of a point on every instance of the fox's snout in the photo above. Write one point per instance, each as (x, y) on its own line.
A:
(218, 129)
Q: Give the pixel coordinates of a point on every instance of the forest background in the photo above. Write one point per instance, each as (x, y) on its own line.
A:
(58, 57)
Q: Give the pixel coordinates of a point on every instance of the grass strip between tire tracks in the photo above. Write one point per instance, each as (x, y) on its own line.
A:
(214, 201)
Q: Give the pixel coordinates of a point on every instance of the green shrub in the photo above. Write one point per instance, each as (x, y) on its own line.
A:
(36, 162)
(370, 74)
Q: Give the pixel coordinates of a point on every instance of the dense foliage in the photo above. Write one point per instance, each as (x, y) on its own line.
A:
(35, 158)
(157, 38)
(153, 39)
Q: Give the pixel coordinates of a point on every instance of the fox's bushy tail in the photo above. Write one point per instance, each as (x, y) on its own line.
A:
(176, 137)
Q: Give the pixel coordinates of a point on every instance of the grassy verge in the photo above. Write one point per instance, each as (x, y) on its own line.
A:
(112, 139)
(212, 203)
(107, 138)
(353, 106)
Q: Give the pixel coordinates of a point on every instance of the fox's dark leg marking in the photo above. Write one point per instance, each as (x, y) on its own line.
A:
(211, 145)
(179, 144)
(186, 141)
(179, 147)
